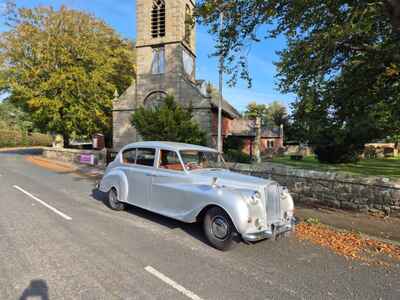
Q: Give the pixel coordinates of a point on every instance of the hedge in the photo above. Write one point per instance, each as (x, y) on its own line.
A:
(10, 138)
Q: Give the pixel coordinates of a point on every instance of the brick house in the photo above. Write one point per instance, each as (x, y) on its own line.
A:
(272, 138)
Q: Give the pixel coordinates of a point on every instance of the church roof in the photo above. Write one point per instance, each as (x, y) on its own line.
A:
(226, 106)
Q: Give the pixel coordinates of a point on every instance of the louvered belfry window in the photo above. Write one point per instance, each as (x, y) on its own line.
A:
(158, 19)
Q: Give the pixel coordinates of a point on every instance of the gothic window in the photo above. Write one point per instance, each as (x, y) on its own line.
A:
(188, 24)
(158, 19)
(158, 63)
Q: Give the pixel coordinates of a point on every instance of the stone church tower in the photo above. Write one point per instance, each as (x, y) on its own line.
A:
(166, 64)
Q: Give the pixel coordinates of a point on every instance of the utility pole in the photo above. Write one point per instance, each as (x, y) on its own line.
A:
(221, 79)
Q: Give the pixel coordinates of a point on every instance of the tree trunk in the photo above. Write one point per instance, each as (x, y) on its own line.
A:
(393, 11)
(66, 140)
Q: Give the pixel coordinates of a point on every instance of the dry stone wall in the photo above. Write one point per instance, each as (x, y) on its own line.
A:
(74, 156)
(332, 189)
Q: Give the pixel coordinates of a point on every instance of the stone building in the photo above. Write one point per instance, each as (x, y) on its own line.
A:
(166, 64)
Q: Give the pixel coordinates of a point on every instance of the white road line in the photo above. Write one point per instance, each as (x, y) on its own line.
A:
(44, 203)
(172, 283)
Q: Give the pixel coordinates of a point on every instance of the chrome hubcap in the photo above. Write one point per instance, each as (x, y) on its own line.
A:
(113, 197)
(220, 227)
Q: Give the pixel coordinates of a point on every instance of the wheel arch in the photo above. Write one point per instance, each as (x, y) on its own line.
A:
(200, 216)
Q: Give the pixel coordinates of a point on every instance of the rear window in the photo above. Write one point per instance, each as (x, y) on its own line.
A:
(129, 156)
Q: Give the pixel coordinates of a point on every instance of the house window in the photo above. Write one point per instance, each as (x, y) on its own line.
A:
(158, 19)
(188, 24)
(158, 64)
(270, 144)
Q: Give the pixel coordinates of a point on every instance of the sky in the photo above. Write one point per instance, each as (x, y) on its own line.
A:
(120, 14)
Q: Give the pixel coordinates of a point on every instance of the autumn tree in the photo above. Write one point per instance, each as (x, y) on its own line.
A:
(168, 122)
(63, 67)
(341, 61)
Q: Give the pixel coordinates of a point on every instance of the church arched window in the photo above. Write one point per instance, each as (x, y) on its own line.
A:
(158, 19)
(154, 99)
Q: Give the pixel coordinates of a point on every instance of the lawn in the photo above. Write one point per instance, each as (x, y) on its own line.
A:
(387, 167)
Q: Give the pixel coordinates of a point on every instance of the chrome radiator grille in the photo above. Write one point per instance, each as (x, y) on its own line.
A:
(273, 203)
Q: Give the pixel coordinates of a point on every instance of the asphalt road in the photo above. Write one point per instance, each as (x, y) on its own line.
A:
(76, 248)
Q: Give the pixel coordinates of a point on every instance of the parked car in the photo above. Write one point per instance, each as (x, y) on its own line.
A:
(191, 184)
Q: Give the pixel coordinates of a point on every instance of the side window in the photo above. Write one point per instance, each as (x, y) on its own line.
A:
(129, 156)
(145, 157)
(169, 160)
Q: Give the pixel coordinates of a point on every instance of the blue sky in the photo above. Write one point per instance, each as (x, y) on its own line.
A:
(120, 14)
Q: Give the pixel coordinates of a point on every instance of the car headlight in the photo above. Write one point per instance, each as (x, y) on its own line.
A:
(255, 198)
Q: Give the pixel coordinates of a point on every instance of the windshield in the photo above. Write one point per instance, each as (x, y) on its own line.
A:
(197, 160)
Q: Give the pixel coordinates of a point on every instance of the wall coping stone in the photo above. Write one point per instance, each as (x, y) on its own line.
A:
(283, 170)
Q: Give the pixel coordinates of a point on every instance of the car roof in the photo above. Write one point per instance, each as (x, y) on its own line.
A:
(168, 146)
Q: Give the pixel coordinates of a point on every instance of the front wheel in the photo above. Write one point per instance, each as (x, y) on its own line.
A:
(219, 229)
(113, 202)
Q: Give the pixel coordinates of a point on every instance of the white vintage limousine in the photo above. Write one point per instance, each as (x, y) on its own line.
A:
(190, 183)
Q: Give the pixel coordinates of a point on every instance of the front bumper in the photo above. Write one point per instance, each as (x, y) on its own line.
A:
(274, 232)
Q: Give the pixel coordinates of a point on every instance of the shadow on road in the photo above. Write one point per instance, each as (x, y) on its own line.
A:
(26, 151)
(37, 288)
(195, 230)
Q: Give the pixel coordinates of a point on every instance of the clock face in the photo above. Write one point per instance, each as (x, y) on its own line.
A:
(188, 63)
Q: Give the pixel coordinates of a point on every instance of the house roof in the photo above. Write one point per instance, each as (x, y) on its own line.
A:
(246, 127)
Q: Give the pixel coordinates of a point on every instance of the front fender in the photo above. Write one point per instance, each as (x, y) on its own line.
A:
(229, 200)
(115, 179)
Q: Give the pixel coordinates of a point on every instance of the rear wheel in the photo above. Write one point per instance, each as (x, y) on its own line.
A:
(113, 202)
(219, 229)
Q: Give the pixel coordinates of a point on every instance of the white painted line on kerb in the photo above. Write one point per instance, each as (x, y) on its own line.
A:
(172, 283)
(44, 203)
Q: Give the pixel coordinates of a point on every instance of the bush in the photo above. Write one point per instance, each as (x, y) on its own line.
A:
(168, 122)
(237, 156)
(15, 138)
(338, 153)
(39, 139)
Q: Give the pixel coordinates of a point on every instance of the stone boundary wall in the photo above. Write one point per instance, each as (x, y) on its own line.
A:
(331, 189)
(73, 155)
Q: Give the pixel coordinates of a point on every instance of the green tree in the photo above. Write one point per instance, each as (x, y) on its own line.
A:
(341, 60)
(274, 114)
(13, 118)
(254, 110)
(63, 67)
(168, 122)
(277, 114)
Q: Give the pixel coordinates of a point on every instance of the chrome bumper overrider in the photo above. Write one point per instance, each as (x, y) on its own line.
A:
(267, 234)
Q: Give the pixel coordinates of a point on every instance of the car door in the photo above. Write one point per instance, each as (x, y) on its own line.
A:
(139, 174)
(168, 186)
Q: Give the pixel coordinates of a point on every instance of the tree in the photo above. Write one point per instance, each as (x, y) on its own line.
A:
(254, 110)
(63, 67)
(13, 118)
(277, 114)
(341, 60)
(274, 114)
(168, 122)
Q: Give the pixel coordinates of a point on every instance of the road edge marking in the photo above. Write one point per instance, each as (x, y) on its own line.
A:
(55, 210)
(172, 283)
